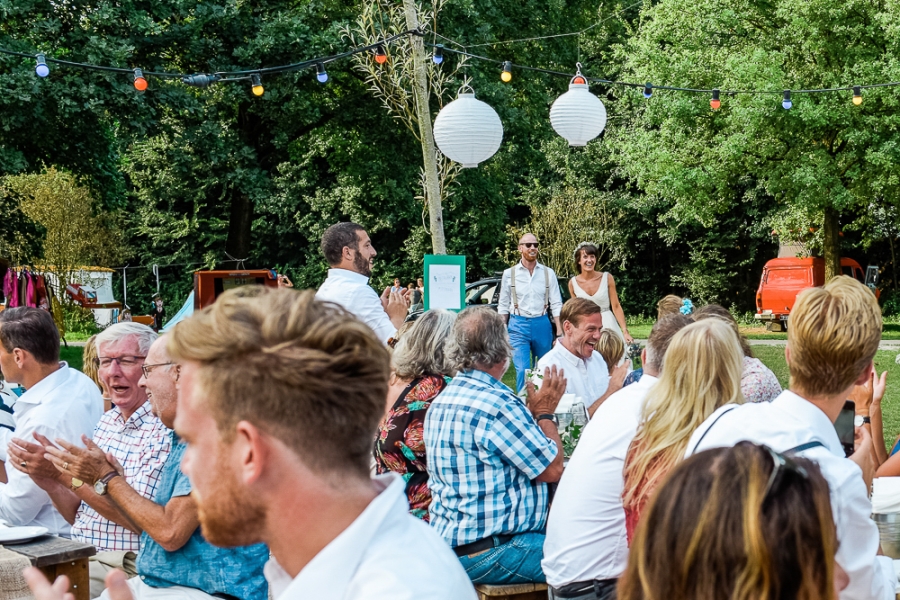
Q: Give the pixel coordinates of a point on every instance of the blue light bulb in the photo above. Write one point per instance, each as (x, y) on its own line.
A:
(42, 69)
(648, 90)
(786, 104)
(321, 75)
(438, 56)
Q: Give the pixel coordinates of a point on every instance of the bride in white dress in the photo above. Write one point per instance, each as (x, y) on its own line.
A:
(599, 287)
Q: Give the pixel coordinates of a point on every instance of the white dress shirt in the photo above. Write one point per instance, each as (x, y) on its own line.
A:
(66, 404)
(585, 377)
(385, 554)
(586, 536)
(531, 291)
(785, 423)
(352, 291)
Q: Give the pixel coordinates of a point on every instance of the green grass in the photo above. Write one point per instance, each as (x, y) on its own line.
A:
(73, 356)
(639, 328)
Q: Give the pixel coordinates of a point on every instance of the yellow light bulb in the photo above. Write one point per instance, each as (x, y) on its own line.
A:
(506, 76)
(857, 100)
(258, 90)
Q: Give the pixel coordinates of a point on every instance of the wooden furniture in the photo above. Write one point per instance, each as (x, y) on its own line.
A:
(209, 284)
(518, 591)
(57, 556)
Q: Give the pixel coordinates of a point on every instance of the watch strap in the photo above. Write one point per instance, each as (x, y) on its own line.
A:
(547, 417)
(109, 477)
(866, 419)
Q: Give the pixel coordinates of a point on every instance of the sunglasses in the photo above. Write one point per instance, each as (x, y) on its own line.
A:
(782, 463)
(529, 244)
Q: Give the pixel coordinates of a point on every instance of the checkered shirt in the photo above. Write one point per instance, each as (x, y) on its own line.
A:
(141, 445)
(484, 451)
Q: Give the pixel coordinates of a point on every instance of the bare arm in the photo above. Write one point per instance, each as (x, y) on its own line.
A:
(615, 384)
(617, 309)
(571, 289)
(545, 401)
(171, 526)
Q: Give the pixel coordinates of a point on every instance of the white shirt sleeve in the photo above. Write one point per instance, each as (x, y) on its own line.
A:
(871, 576)
(368, 307)
(21, 499)
(555, 296)
(504, 303)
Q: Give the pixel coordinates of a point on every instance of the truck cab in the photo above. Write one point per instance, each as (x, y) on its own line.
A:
(783, 278)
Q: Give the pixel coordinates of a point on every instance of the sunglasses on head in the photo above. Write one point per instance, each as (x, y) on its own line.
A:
(530, 244)
(782, 463)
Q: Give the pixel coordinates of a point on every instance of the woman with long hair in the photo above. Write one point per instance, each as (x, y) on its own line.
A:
(740, 523)
(600, 288)
(417, 377)
(702, 372)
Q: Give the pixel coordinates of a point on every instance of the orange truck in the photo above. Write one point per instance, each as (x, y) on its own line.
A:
(783, 278)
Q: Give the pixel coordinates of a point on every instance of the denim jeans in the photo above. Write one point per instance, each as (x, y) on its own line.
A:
(529, 337)
(517, 561)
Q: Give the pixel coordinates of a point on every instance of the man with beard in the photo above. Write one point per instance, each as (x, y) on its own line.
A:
(587, 374)
(174, 560)
(350, 254)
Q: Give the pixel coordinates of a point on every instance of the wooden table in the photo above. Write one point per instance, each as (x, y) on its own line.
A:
(57, 556)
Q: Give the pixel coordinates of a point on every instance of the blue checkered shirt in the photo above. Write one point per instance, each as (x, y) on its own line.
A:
(484, 451)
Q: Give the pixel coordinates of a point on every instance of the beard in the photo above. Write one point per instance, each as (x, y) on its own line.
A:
(229, 515)
(363, 266)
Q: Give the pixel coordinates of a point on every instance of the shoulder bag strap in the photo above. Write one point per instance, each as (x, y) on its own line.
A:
(804, 447)
(721, 414)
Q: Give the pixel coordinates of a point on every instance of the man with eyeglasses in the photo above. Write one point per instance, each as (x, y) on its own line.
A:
(58, 402)
(529, 297)
(130, 432)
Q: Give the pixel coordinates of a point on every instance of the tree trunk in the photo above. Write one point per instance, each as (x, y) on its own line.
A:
(831, 246)
(423, 113)
(238, 242)
(893, 262)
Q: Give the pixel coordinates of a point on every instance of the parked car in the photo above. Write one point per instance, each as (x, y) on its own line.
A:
(783, 278)
(486, 292)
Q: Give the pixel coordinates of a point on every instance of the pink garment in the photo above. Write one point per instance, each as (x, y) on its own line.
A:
(30, 290)
(11, 289)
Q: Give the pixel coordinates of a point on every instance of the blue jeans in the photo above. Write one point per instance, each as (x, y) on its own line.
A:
(528, 336)
(516, 561)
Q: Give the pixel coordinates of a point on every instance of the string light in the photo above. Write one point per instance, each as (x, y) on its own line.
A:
(857, 95)
(256, 84)
(380, 55)
(506, 75)
(321, 75)
(715, 103)
(437, 55)
(140, 84)
(648, 90)
(201, 80)
(42, 70)
(786, 104)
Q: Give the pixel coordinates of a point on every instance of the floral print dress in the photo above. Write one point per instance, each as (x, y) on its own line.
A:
(400, 445)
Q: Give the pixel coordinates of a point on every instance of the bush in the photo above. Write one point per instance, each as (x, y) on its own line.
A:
(890, 303)
(79, 320)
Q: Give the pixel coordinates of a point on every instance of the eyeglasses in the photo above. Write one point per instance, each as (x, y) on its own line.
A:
(105, 362)
(530, 244)
(782, 463)
(145, 369)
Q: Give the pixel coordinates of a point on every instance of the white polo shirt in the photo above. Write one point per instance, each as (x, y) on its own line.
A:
(586, 536)
(788, 422)
(352, 291)
(587, 378)
(385, 554)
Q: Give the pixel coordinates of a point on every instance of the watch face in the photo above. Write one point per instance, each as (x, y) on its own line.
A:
(100, 488)
(858, 421)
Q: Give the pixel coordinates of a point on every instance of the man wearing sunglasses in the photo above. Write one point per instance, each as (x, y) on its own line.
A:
(832, 339)
(529, 298)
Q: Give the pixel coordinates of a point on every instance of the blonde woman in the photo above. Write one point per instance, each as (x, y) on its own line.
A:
(92, 370)
(702, 372)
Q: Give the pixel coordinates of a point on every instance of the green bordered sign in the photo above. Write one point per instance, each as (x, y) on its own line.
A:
(445, 282)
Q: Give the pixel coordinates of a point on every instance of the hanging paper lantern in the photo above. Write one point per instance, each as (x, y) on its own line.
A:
(578, 115)
(467, 130)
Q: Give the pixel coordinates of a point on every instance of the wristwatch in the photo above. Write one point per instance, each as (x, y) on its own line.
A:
(860, 420)
(76, 483)
(548, 417)
(101, 485)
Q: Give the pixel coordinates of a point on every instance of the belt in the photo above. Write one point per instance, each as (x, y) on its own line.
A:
(580, 588)
(485, 544)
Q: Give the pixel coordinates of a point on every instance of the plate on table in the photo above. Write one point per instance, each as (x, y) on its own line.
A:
(20, 535)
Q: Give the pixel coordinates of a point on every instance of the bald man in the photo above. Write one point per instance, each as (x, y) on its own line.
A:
(529, 297)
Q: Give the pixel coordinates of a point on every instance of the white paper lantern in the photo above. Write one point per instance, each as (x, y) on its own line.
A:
(467, 130)
(578, 115)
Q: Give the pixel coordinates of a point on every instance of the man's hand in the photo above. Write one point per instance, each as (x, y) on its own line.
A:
(545, 400)
(617, 377)
(397, 307)
(864, 455)
(28, 458)
(88, 464)
(116, 584)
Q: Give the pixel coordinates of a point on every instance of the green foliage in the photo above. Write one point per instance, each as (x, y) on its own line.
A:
(78, 320)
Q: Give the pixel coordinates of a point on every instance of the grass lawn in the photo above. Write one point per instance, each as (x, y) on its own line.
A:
(72, 355)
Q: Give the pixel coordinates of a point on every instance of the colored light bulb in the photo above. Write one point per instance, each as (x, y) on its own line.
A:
(256, 84)
(857, 95)
(438, 56)
(380, 55)
(506, 74)
(140, 84)
(714, 102)
(321, 75)
(41, 69)
(786, 104)
(648, 90)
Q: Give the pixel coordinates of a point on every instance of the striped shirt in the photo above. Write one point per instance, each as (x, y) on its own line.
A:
(484, 451)
(141, 445)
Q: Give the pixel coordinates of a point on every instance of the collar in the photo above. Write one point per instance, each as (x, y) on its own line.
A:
(807, 412)
(42, 388)
(483, 377)
(348, 275)
(537, 265)
(646, 381)
(572, 358)
(137, 418)
(329, 573)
